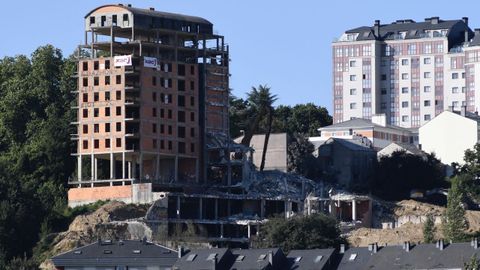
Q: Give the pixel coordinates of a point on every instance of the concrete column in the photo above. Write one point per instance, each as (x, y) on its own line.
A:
(112, 166)
(248, 231)
(216, 208)
(123, 165)
(221, 230)
(92, 167)
(129, 170)
(79, 168)
(178, 206)
(354, 210)
(95, 168)
(200, 208)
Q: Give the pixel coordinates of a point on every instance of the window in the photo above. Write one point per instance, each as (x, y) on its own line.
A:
(427, 117)
(154, 112)
(95, 96)
(107, 143)
(405, 118)
(85, 82)
(107, 111)
(192, 85)
(154, 96)
(426, 103)
(162, 128)
(107, 80)
(162, 113)
(107, 96)
(181, 70)
(181, 147)
(95, 81)
(118, 110)
(353, 63)
(96, 128)
(428, 48)
(404, 76)
(192, 70)
(107, 63)
(404, 90)
(118, 126)
(95, 65)
(181, 132)
(192, 101)
(85, 144)
(170, 130)
(353, 77)
(426, 75)
(455, 104)
(383, 91)
(412, 48)
(154, 80)
(118, 79)
(85, 129)
(169, 145)
(181, 116)
(96, 112)
(85, 113)
(96, 144)
(427, 61)
(85, 97)
(454, 90)
(154, 143)
(463, 75)
(181, 101)
(181, 85)
(427, 89)
(463, 89)
(192, 116)
(454, 76)
(92, 20)
(384, 77)
(353, 106)
(162, 144)
(169, 114)
(118, 95)
(154, 128)
(85, 66)
(405, 104)
(119, 142)
(192, 147)
(353, 91)
(125, 17)
(404, 62)
(192, 132)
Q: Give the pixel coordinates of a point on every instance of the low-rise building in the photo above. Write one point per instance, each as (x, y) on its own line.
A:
(449, 134)
(276, 157)
(396, 146)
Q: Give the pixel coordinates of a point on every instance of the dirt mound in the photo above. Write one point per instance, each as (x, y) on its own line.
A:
(107, 222)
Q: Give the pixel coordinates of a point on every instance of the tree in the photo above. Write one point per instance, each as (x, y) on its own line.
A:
(300, 157)
(429, 230)
(473, 264)
(396, 175)
(270, 113)
(303, 232)
(238, 116)
(470, 173)
(454, 221)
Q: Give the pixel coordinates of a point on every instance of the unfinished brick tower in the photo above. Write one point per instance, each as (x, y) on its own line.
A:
(152, 87)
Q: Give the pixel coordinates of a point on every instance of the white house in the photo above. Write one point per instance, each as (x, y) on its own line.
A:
(449, 134)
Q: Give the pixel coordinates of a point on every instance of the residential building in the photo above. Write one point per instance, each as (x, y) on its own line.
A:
(277, 151)
(321, 259)
(396, 146)
(449, 134)
(376, 131)
(410, 71)
(122, 254)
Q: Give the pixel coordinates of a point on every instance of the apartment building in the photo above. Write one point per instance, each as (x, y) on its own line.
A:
(410, 71)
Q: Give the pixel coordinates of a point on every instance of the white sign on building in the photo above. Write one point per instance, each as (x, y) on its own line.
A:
(122, 60)
(150, 62)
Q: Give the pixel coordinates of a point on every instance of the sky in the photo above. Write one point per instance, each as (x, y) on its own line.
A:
(283, 44)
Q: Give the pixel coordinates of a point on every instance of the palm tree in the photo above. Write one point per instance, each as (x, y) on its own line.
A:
(260, 102)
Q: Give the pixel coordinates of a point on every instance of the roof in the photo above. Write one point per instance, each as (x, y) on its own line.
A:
(202, 258)
(351, 144)
(158, 14)
(407, 147)
(253, 258)
(414, 30)
(476, 39)
(126, 252)
(358, 123)
(309, 259)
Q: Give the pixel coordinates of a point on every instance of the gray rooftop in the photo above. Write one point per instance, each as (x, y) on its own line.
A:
(358, 123)
(310, 259)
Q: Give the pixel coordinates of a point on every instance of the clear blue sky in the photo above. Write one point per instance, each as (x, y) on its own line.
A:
(285, 44)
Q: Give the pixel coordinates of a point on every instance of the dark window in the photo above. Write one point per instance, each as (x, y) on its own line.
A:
(181, 70)
(181, 85)
(169, 114)
(119, 142)
(85, 81)
(114, 19)
(181, 116)
(85, 113)
(107, 80)
(192, 147)
(154, 80)
(162, 113)
(85, 97)
(170, 83)
(107, 143)
(125, 17)
(107, 64)
(162, 128)
(192, 85)
(162, 82)
(119, 126)
(103, 19)
(95, 96)
(181, 101)
(162, 144)
(154, 143)
(95, 65)
(118, 110)
(107, 111)
(92, 19)
(162, 97)
(192, 70)
(154, 112)
(192, 116)
(118, 95)
(85, 66)
(169, 67)
(169, 130)
(107, 127)
(96, 128)
(384, 77)
(85, 144)
(154, 96)
(107, 96)
(192, 132)
(181, 147)
(154, 128)
(169, 145)
(96, 144)
(192, 101)
(85, 129)
(95, 81)
(181, 132)
(95, 112)
(118, 79)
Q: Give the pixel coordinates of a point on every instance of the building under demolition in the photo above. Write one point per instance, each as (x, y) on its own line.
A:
(153, 127)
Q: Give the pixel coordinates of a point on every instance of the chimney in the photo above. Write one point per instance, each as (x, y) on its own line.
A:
(180, 251)
(440, 244)
(270, 257)
(129, 5)
(375, 248)
(214, 263)
(475, 243)
(463, 111)
(376, 28)
(407, 246)
(152, 9)
(434, 20)
(370, 247)
(342, 248)
(465, 20)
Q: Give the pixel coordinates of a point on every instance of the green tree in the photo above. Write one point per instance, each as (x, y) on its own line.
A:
(429, 230)
(303, 232)
(300, 157)
(470, 172)
(473, 264)
(454, 221)
(238, 116)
